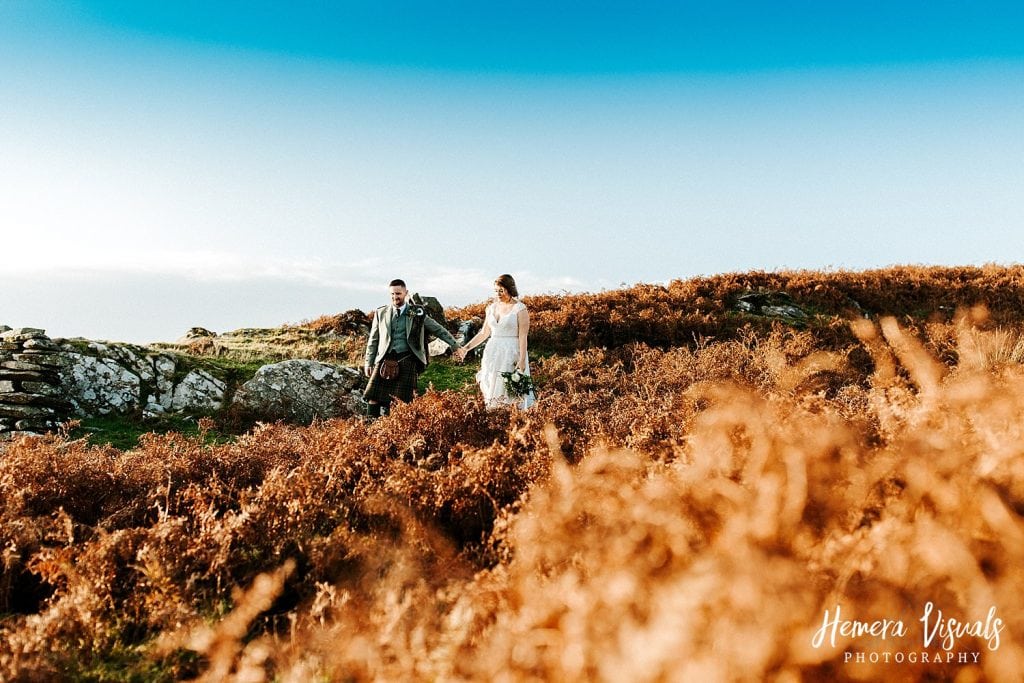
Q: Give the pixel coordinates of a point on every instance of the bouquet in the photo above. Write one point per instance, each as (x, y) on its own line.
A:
(517, 383)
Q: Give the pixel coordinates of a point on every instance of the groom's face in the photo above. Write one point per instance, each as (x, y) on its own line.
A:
(398, 296)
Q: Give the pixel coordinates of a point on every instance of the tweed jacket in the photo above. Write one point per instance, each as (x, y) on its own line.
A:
(380, 333)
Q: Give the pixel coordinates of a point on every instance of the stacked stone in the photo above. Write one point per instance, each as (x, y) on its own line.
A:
(31, 400)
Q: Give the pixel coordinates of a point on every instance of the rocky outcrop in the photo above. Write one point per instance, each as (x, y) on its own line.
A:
(31, 400)
(467, 330)
(197, 332)
(198, 392)
(164, 368)
(351, 323)
(44, 382)
(99, 386)
(437, 347)
(778, 305)
(104, 379)
(431, 305)
(197, 339)
(301, 391)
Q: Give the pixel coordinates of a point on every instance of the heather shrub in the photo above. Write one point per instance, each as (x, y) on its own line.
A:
(717, 563)
(684, 312)
(682, 513)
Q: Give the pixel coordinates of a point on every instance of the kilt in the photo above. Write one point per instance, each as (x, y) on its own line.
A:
(403, 387)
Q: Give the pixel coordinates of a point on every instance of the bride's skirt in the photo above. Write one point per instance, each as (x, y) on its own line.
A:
(500, 355)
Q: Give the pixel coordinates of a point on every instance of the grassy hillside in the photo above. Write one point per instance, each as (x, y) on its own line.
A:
(677, 506)
(683, 313)
(249, 345)
(687, 311)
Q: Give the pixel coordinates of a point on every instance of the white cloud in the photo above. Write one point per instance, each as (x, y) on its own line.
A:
(369, 275)
(154, 298)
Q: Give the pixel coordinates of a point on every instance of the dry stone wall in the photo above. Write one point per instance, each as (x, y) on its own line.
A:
(31, 400)
(301, 391)
(44, 382)
(104, 379)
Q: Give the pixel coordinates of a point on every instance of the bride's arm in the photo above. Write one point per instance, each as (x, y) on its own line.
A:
(523, 319)
(482, 335)
(477, 340)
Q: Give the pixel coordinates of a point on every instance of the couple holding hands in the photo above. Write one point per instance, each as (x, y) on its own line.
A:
(396, 350)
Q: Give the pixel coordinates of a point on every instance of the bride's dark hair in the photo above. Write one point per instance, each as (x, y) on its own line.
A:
(508, 283)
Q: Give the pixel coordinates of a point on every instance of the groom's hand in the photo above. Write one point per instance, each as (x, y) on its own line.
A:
(366, 370)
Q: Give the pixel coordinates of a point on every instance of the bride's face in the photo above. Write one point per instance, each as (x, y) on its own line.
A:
(501, 294)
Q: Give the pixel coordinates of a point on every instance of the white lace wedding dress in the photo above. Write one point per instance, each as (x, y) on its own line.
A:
(500, 355)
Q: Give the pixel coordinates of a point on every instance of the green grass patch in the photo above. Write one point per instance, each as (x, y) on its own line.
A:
(80, 345)
(132, 664)
(231, 371)
(123, 431)
(447, 374)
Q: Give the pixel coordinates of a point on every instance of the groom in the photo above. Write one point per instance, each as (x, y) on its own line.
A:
(397, 338)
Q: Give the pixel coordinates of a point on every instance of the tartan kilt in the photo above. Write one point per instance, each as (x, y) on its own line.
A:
(403, 387)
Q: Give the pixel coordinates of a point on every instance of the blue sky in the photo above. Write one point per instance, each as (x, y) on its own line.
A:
(236, 164)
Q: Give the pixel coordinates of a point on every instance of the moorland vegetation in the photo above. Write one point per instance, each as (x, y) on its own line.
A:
(694, 488)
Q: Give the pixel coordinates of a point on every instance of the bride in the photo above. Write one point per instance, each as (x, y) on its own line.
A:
(507, 323)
